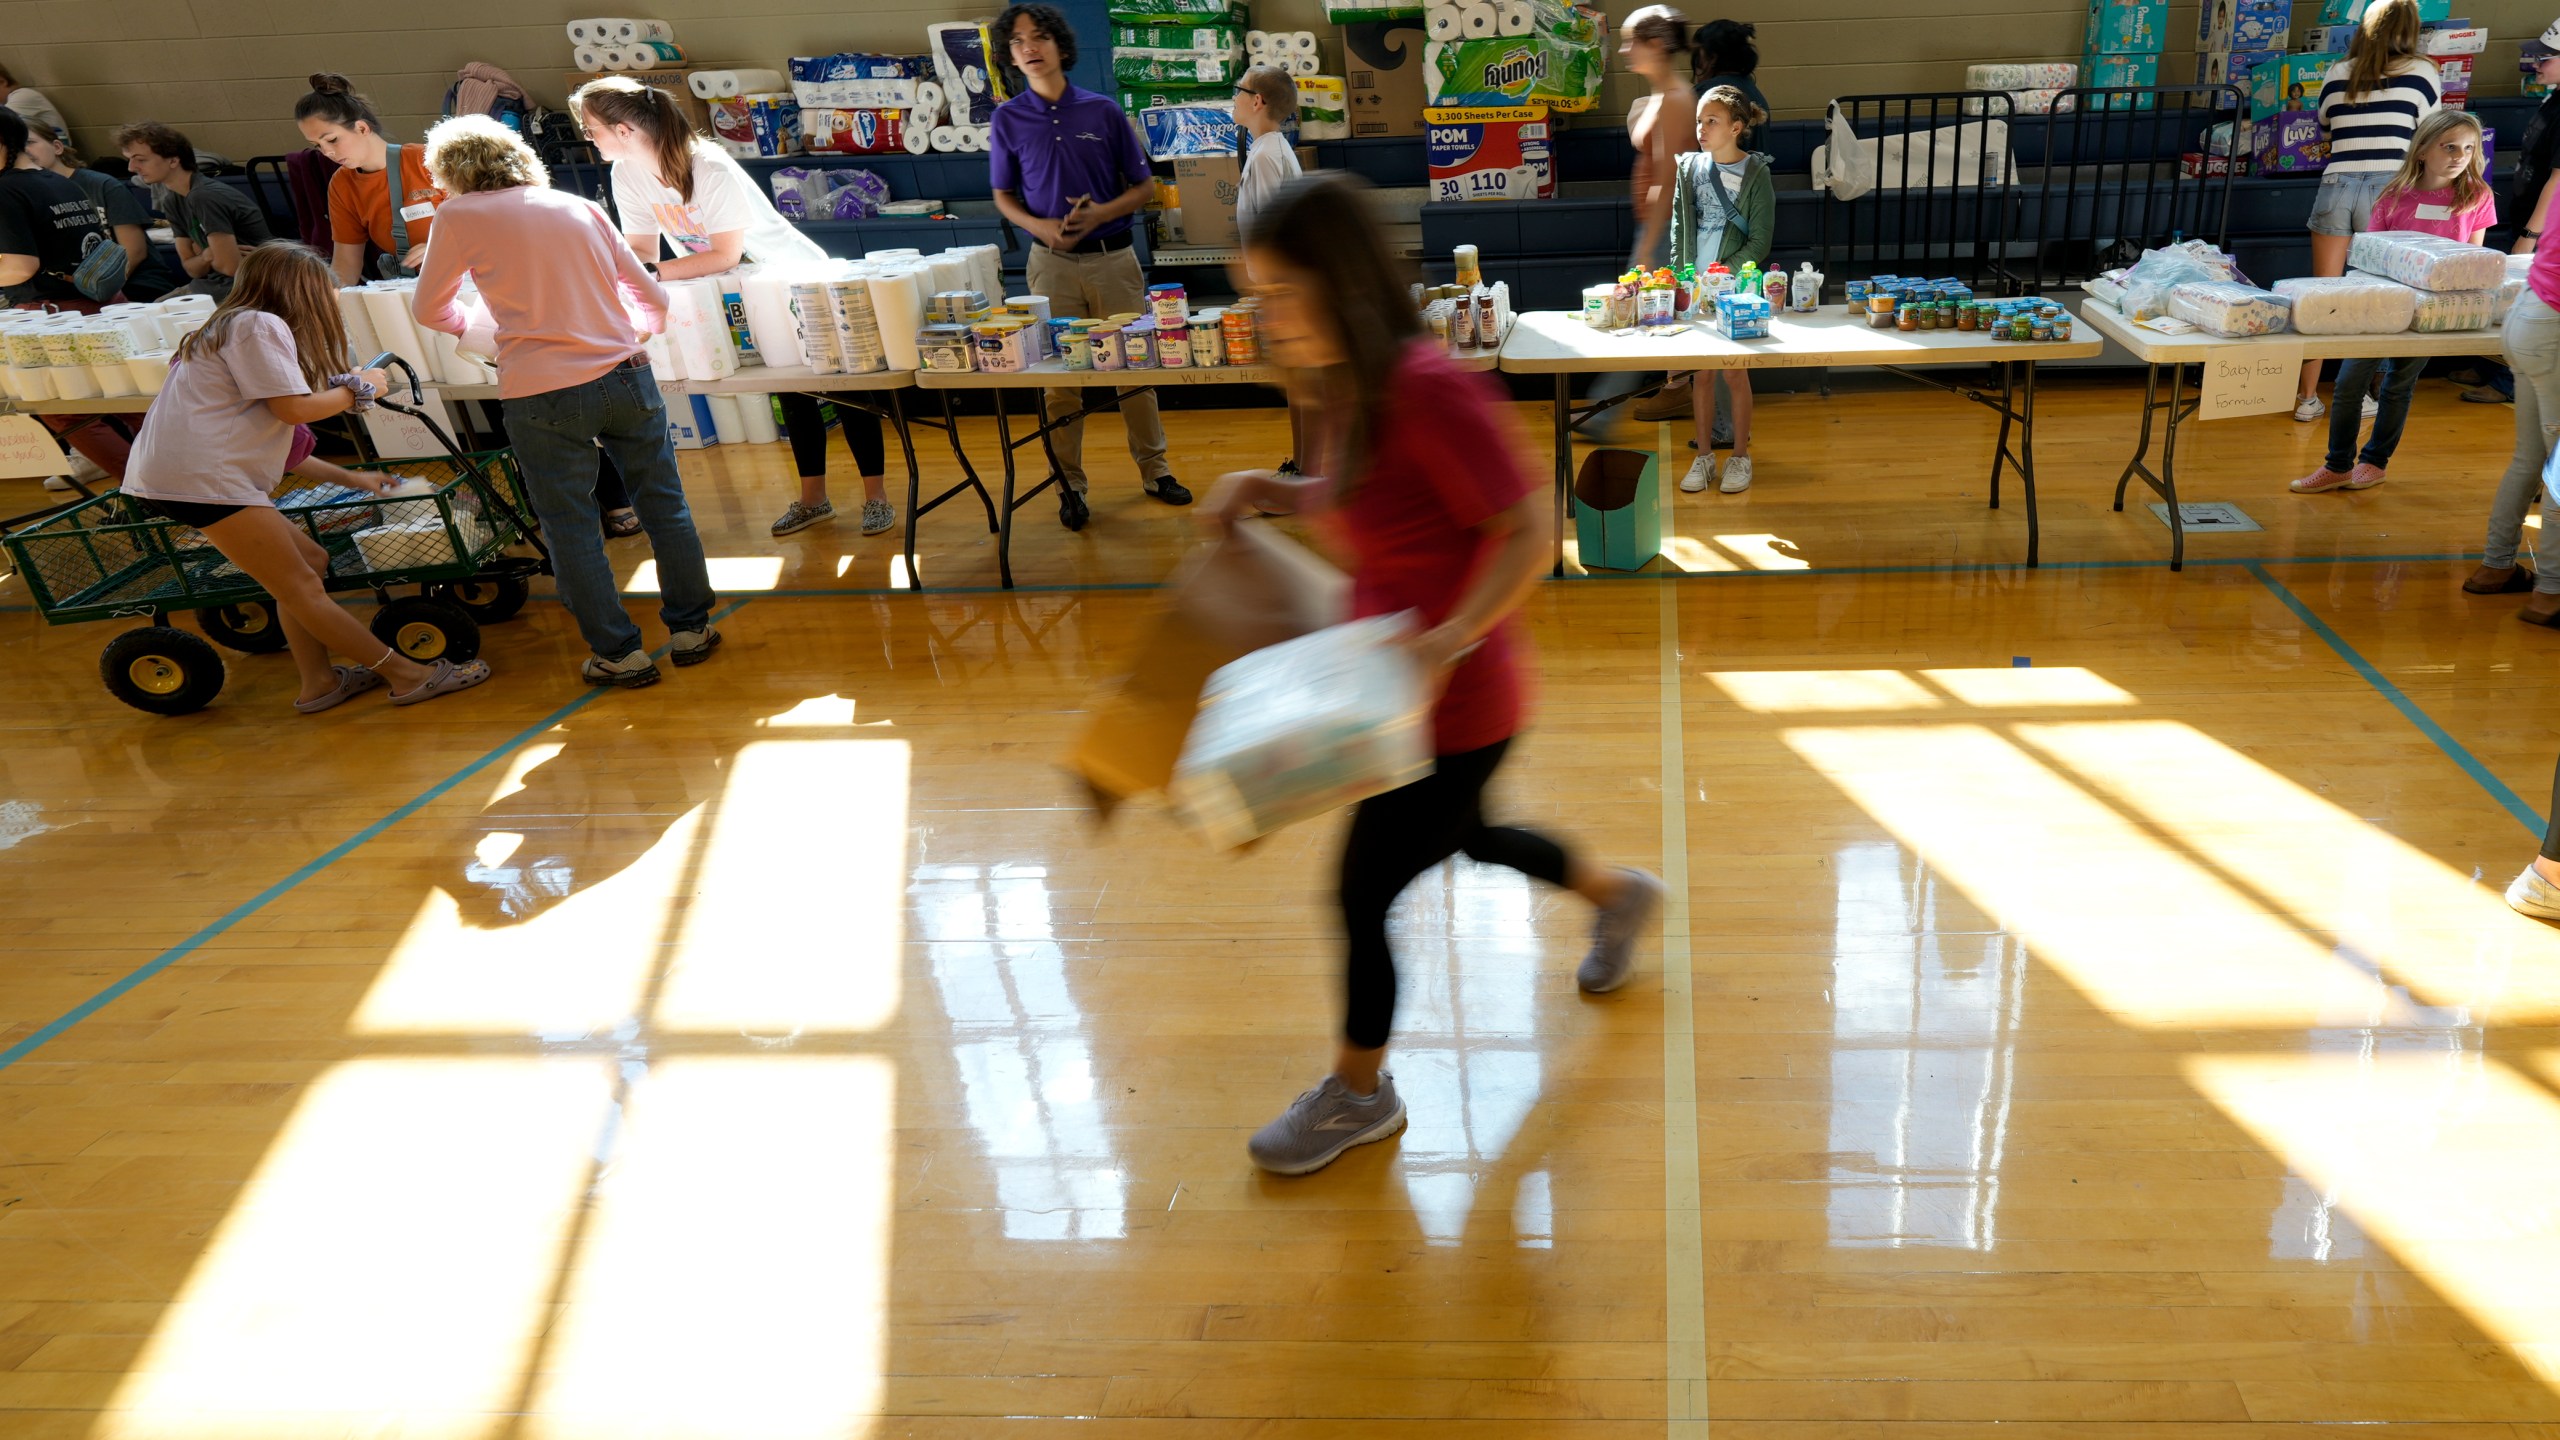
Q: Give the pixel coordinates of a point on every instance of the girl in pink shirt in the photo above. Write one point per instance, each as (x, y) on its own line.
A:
(2439, 190)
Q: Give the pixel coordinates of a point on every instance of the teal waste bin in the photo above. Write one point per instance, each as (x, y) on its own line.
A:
(1617, 521)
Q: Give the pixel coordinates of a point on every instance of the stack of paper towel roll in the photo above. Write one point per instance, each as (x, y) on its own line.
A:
(730, 84)
(1449, 21)
(952, 139)
(378, 319)
(1295, 51)
(608, 44)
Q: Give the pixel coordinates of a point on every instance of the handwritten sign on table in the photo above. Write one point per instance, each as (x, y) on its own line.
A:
(397, 436)
(2253, 379)
(28, 450)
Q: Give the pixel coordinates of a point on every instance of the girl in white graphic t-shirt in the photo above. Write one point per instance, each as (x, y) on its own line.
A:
(673, 188)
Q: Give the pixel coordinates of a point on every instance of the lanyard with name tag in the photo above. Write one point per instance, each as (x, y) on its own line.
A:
(423, 210)
(2435, 212)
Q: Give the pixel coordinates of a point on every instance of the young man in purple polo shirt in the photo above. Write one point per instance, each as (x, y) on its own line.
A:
(1068, 171)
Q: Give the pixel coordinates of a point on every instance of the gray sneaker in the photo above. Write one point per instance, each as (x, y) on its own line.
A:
(1614, 932)
(1319, 1125)
(878, 515)
(2532, 895)
(629, 671)
(800, 517)
(692, 647)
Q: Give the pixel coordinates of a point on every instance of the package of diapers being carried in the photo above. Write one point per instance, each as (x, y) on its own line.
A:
(2428, 262)
(2227, 308)
(2349, 304)
(1305, 726)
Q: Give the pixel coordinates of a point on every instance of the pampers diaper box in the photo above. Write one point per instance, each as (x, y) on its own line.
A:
(1489, 153)
(2127, 27)
(2243, 24)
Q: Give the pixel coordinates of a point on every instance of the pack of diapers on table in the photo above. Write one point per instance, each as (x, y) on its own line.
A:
(2428, 262)
(2229, 308)
(2349, 304)
(2442, 310)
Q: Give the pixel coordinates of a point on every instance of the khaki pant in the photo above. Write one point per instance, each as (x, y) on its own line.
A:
(1105, 283)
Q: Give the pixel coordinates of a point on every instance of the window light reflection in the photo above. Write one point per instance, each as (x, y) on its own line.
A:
(1469, 957)
(729, 574)
(2148, 936)
(1027, 1071)
(1765, 552)
(2017, 687)
(387, 1268)
(1790, 692)
(796, 922)
(734, 1281)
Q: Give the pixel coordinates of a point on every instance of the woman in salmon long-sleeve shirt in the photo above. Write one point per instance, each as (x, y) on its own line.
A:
(570, 302)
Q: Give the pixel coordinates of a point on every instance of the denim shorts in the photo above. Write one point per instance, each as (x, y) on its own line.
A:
(2344, 205)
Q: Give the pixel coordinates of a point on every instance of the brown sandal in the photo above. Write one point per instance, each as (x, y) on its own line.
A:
(621, 524)
(2492, 580)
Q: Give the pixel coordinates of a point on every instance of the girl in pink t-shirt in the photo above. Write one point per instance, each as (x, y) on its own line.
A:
(2439, 190)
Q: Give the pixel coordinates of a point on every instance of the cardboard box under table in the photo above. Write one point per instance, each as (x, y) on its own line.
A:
(1556, 343)
(1617, 510)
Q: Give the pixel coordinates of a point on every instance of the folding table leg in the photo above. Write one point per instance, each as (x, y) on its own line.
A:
(2168, 481)
(1564, 457)
(1004, 535)
(2142, 449)
(2027, 459)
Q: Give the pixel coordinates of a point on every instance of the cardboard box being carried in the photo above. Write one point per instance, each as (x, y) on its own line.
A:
(1383, 70)
(675, 83)
(1252, 589)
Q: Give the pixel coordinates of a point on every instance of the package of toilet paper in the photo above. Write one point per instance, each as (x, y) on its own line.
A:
(2056, 76)
(859, 82)
(1324, 108)
(1176, 12)
(1175, 131)
(1208, 39)
(1341, 11)
(2349, 304)
(971, 87)
(1185, 67)
(1512, 52)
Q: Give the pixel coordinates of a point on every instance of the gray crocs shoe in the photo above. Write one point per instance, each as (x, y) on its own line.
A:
(443, 678)
(1319, 1125)
(877, 516)
(353, 680)
(1614, 932)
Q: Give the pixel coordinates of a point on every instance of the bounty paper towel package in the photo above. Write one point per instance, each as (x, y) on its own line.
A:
(1490, 154)
(1513, 52)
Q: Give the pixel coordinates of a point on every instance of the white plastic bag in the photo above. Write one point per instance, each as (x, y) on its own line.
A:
(1302, 727)
(2230, 309)
(1846, 166)
(2428, 262)
(2148, 283)
(2349, 304)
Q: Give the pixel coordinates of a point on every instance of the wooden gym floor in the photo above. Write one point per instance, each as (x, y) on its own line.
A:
(2086, 1007)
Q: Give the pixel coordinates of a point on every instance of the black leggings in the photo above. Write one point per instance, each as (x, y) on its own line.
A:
(1395, 837)
(2551, 837)
(808, 445)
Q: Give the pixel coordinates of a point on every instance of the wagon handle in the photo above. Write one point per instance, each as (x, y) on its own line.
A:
(388, 361)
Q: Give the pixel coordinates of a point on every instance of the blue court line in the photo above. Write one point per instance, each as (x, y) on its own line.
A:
(309, 869)
(2453, 749)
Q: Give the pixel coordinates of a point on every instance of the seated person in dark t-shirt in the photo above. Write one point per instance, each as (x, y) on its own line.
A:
(47, 226)
(212, 222)
(128, 216)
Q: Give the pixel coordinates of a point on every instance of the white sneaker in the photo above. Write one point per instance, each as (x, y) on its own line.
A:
(2532, 895)
(1737, 475)
(2372, 407)
(2308, 409)
(56, 482)
(1702, 473)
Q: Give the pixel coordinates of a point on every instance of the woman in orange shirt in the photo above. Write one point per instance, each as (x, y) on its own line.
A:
(371, 204)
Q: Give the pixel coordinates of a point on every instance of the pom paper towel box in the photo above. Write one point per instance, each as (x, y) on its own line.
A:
(1490, 154)
(1383, 73)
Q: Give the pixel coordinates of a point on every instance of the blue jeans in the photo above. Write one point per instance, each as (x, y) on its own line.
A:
(555, 435)
(2346, 410)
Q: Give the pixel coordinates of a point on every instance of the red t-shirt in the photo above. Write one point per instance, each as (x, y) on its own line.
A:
(1440, 464)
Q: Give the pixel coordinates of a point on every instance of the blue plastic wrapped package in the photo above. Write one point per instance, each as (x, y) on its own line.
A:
(1309, 725)
(1200, 128)
(2427, 262)
(858, 82)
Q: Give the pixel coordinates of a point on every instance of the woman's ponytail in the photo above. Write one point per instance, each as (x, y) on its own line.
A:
(621, 100)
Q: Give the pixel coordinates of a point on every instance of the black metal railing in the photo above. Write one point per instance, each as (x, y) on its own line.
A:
(1944, 200)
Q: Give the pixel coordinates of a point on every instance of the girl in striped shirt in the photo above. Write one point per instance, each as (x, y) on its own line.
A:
(2370, 106)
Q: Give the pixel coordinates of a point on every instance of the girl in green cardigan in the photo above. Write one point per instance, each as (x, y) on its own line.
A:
(1723, 208)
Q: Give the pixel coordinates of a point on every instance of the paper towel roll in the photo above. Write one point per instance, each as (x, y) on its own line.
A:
(987, 266)
(757, 412)
(444, 353)
(1305, 64)
(623, 32)
(944, 139)
(858, 336)
(662, 357)
(1516, 17)
(768, 300)
(1303, 41)
(1440, 23)
(638, 30)
(815, 325)
(72, 382)
(918, 139)
(973, 141)
(590, 59)
(1257, 43)
(728, 84)
(394, 328)
(590, 32)
(1478, 20)
(362, 343)
(728, 426)
(929, 98)
(646, 55)
(610, 57)
(897, 304)
(703, 338)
